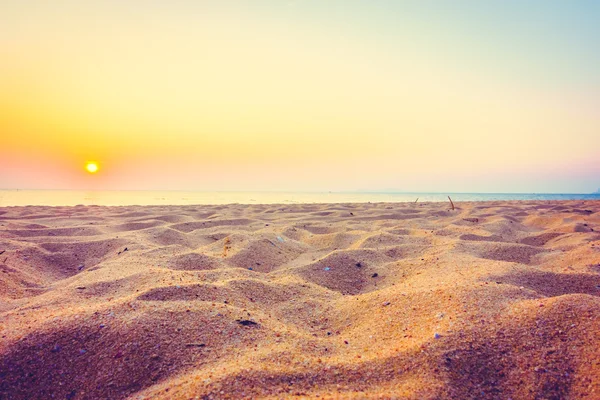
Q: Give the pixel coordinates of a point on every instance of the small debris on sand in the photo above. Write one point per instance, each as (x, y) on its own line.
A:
(246, 322)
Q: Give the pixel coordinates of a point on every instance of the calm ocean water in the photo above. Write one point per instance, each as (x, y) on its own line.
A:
(122, 198)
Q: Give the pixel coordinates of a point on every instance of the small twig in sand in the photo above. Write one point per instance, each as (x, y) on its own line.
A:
(451, 203)
(195, 345)
(416, 200)
(226, 246)
(3, 251)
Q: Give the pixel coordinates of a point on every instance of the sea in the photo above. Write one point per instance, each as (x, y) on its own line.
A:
(126, 198)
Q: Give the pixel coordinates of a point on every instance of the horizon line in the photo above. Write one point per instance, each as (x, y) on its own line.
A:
(294, 191)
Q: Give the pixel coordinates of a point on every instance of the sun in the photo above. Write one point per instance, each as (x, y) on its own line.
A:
(91, 167)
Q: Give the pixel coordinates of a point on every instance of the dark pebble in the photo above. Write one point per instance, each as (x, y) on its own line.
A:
(246, 322)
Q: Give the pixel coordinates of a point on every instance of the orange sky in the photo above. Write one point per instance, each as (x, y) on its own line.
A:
(299, 96)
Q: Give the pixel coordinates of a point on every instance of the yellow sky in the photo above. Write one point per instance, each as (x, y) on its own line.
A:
(225, 96)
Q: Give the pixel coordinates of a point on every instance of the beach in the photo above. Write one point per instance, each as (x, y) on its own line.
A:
(496, 299)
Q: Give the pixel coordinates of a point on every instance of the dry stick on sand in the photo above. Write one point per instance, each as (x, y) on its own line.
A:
(451, 203)
(226, 246)
(416, 200)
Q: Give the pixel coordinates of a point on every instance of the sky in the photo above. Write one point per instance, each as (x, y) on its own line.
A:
(461, 96)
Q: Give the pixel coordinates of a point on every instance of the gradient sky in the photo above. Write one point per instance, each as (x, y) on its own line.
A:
(460, 96)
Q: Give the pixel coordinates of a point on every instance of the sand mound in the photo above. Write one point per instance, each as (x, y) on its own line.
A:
(481, 238)
(552, 284)
(515, 253)
(261, 253)
(381, 240)
(35, 231)
(117, 353)
(502, 363)
(540, 240)
(194, 261)
(488, 301)
(347, 272)
(333, 241)
(136, 226)
(186, 293)
(192, 226)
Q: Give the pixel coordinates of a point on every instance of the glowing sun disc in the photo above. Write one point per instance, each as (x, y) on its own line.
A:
(91, 167)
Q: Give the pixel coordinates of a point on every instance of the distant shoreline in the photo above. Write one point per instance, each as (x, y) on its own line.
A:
(153, 198)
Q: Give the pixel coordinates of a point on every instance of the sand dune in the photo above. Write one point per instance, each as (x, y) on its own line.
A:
(491, 300)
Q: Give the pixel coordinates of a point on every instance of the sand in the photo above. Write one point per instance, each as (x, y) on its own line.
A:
(417, 301)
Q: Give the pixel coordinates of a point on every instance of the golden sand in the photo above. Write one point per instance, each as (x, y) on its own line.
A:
(491, 300)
